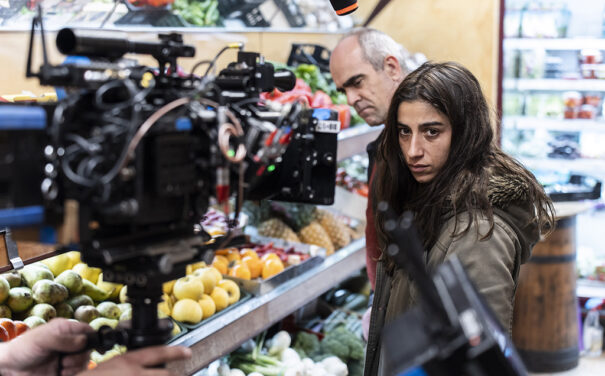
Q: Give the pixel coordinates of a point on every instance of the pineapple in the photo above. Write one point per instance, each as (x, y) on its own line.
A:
(257, 211)
(294, 214)
(275, 228)
(303, 215)
(313, 233)
(337, 231)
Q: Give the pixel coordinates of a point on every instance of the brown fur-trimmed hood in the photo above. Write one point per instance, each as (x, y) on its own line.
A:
(506, 190)
(509, 197)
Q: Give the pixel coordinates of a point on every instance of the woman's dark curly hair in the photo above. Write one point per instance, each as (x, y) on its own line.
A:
(462, 184)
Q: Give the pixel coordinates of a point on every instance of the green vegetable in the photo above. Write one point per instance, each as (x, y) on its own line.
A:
(211, 14)
(344, 344)
(355, 367)
(306, 344)
(313, 76)
(267, 365)
(198, 13)
(280, 342)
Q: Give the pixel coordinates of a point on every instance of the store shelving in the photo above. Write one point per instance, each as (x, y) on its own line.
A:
(587, 166)
(529, 84)
(559, 125)
(553, 44)
(587, 288)
(354, 140)
(224, 334)
(550, 49)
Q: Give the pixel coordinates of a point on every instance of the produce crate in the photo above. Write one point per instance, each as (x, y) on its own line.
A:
(259, 286)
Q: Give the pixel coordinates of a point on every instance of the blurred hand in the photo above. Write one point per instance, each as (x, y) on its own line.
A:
(36, 352)
(137, 362)
(365, 323)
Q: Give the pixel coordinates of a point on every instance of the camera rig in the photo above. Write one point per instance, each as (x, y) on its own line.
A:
(144, 150)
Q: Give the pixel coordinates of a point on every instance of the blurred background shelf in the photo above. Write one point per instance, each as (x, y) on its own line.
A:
(527, 84)
(352, 141)
(589, 288)
(561, 163)
(560, 125)
(562, 44)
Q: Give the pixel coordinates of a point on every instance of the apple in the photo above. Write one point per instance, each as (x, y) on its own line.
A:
(187, 310)
(207, 277)
(188, 288)
(231, 288)
(220, 297)
(167, 286)
(208, 306)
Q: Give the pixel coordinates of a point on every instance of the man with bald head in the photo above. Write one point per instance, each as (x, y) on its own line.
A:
(368, 65)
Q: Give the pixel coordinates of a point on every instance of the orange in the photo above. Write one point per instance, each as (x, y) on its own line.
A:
(240, 270)
(233, 255)
(220, 258)
(10, 327)
(248, 252)
(267, 256)
(21, 327)
(4, 337)
(255, 265)
(222, 252)
(272, 267)
(220, 263)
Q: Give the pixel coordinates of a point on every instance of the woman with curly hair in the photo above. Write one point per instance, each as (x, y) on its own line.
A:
(439, 159)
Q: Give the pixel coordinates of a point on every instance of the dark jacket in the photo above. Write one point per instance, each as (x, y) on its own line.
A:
(372, 250)
(492, 264)
(372, 149)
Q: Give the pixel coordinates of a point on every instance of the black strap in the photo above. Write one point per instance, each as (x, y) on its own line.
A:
(377, 9)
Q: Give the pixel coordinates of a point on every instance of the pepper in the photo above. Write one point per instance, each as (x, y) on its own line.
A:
(321, 100)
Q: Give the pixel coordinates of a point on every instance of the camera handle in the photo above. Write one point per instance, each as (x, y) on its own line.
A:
(143, 330)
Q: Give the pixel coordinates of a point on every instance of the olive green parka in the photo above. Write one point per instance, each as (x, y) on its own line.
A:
(492, 264)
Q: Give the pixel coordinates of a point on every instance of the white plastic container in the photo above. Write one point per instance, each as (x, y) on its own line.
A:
(593, 334)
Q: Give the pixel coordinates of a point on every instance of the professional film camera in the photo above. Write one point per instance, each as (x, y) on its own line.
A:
(144, 150)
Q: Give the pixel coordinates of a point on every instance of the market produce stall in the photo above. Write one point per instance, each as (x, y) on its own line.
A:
(221, 336)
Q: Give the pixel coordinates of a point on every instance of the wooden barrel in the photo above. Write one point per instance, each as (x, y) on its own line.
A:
(545, 321)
